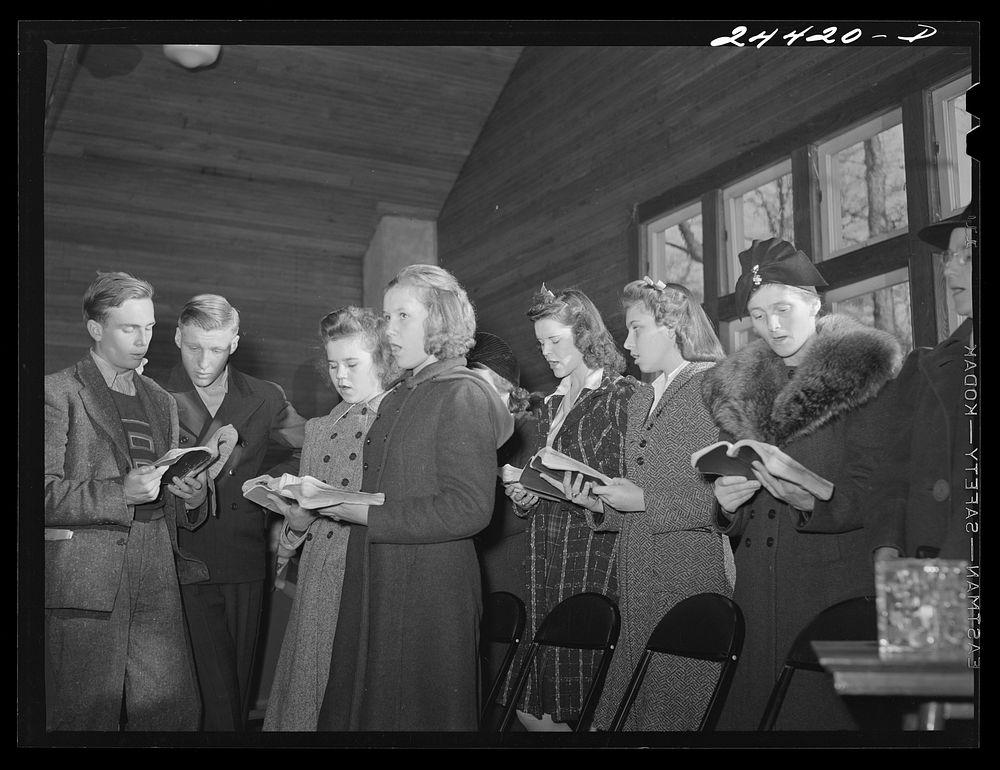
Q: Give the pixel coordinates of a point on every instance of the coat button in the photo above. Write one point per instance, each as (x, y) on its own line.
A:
(344, 482)
(232, 471)
(334, 436)
(184, 439)
(121, 541)
(326, 458)
(365, 466)
(358, 434)
(770, 542)
(639, 461)
(234, 506)
(747, 542)
(309, 536)
(329, 534)
(642, 443)
(772, 513)
(243, 442)
(368, 441)
(941, 490)
(353, 456)
(364, 410)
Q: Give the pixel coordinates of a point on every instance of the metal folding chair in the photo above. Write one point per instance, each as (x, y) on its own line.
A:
(585, 621)
(706, 626)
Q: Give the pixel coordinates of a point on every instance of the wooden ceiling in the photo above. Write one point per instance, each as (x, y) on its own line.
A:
(382, 130)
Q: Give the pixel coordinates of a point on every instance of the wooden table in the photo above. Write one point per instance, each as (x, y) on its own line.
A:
(945, 688)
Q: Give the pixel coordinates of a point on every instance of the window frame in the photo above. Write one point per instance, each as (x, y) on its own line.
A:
(829, 181)
(946, 144)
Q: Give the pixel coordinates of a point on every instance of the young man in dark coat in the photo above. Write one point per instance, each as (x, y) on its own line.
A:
(224, 611)
(925, 488)
(114, 629)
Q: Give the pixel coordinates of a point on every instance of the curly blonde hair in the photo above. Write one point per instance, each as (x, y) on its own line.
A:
(450, 327)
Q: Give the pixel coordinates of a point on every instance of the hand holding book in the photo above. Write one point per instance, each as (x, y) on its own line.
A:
(781, 467)
(310, 493)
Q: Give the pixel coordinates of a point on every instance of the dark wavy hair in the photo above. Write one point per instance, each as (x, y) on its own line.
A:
(573, 308)
(675, 307)
(450, 327)
(368, 324)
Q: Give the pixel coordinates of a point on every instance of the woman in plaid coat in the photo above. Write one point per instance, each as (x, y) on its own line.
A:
(585, 418)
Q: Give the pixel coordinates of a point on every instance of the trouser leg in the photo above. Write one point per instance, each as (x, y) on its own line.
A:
(85, 667)
(214, 656)
(160, 688)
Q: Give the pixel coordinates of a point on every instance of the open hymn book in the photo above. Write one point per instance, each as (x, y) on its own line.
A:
(190, 461)
(715, 460)
(542, 475)
(308, 491)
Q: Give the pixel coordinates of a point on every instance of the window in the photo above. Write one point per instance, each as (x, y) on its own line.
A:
(863, 185)
(882, 302)
(951, 124)
(735, 335)
(674, 249)
(759, 207)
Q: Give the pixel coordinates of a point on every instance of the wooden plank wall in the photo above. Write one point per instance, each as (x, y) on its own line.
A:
(262, 179)
(582, 135)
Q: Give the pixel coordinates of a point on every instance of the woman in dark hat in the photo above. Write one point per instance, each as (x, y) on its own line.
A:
(919, 504)
(798, 395)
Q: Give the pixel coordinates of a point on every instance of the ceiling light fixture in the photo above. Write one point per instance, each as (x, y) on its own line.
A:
(192, 57)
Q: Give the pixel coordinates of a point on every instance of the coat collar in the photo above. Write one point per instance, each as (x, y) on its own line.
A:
(236, 408)
(751, 394)
(643, 398)
(453, 368)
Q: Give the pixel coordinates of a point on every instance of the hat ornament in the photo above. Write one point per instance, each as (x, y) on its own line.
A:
(658, 285)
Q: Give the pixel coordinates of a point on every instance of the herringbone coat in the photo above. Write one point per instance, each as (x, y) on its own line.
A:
(665, 554)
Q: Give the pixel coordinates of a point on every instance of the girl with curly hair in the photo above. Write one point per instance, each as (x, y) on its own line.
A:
(585, 418)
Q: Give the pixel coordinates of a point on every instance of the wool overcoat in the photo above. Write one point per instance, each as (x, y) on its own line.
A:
(666, 553)
(233, 541)
(792, 564)
(406, 650)
(566, 556)
(924, 483)
(331, 453)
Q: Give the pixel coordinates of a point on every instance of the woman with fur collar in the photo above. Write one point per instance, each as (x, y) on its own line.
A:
(798, 395)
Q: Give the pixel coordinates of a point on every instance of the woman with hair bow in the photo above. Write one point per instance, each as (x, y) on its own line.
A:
(799, 396)
(584, 418)
(663, 508)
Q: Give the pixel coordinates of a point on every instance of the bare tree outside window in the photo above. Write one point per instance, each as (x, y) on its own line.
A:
(683, 260)
(872, 183)
(767, 212)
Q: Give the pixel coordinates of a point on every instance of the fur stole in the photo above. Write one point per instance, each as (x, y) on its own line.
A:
(750, 394)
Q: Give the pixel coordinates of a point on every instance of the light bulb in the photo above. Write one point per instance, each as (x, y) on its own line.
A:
(192, 56)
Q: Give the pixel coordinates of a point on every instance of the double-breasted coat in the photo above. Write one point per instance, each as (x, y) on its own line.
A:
(332, 453)
(792, 564)
(406, 651)
(666, 553)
